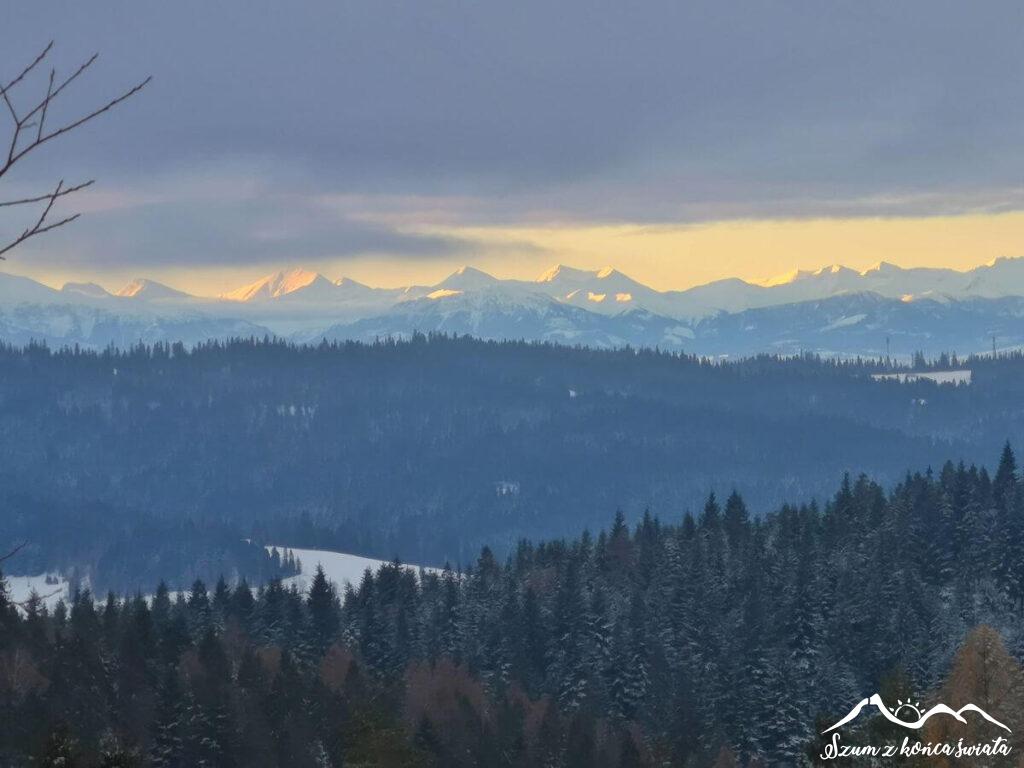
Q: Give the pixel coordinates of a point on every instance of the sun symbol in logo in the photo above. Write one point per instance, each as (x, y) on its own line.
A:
(913, 710)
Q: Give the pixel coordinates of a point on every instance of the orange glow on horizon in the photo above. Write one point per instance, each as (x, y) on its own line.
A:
(662, 256)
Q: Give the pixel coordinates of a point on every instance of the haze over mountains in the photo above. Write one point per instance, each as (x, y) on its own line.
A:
(833, 310)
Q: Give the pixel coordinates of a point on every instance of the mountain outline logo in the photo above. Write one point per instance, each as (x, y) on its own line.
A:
(892, 715)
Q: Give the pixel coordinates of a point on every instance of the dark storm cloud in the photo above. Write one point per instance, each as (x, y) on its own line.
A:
(258, 229)
(602, 110)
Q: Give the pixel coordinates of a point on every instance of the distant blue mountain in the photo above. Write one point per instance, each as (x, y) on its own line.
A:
(846, 325)
(833, 311)
(860, 324)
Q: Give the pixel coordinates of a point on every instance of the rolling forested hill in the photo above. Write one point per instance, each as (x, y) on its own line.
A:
(129, 463)
(714, 642)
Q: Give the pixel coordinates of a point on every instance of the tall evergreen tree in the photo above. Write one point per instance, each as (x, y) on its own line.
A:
(324, 609)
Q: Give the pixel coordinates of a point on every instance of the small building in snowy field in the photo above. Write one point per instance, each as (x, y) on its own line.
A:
(506, 488)
(939, 377)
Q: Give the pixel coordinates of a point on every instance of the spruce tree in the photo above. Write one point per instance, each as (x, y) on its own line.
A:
(324, 609)
(736, 520)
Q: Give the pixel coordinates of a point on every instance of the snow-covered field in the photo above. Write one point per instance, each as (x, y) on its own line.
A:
(939, 377)
(339, 567)
(21, 587)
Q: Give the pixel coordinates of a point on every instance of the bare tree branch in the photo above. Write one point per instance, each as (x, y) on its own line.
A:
(24, 603)
(14, 551)
(41, 226)
(6, 89)
(36, 118)
(75, 124)
(41, 198)
(70, 79)
(10, 107)
(46, 104)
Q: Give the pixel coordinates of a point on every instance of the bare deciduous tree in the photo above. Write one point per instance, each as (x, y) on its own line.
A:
(17, 548)
(20, 603)
(30, 132)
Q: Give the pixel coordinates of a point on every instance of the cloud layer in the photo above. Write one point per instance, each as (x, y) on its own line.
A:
(527, 112)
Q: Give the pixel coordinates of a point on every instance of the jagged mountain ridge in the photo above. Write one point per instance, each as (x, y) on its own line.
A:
(610, 291)
(149, 290)
(865, 324)
(833, 310)
(493, 315)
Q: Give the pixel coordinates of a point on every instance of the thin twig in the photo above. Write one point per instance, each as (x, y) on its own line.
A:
(24, 603)
(46, 104)
(37, 230)
(13, 147)
(5, 93)
(75, 124)
(14, 551)
(40, 226)
(10, 108)
(40, 198)
(71, 78)
(6, 89)
(35, 119)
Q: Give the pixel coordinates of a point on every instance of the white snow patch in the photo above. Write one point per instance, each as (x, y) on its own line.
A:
(679, 332)
(21, 587)
(939, 377)
(443, 293)
(845, 322)
(339, 568)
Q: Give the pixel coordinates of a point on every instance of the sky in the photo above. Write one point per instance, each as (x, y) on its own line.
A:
(394, 141)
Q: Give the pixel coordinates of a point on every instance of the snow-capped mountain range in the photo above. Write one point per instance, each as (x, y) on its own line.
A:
(834, 310)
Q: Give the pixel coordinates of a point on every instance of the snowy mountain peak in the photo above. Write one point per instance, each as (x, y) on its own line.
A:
(465, 278)
(836, 308)
(142, 288)
(801, 275)
(1007, 264)
(835, 269)
(279, 284)
(786, 278)
(348, 282)
(465, 269)
(15, 289)
(881, 268)
(561, 273)
(86, 289)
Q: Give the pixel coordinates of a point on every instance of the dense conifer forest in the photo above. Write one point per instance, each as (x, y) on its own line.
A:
(708, 640)
(157, 462)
